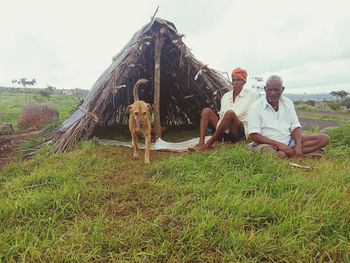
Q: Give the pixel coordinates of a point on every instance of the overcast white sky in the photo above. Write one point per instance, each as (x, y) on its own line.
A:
(69, 43)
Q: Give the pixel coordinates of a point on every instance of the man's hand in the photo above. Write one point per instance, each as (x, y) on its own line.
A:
(298, 150)
(280, 146)
(286, 149)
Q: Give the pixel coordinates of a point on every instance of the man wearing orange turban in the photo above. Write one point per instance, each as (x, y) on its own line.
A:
(239, 73)
(231, 124)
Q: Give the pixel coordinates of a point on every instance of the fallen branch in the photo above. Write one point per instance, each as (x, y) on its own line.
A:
(36, 185)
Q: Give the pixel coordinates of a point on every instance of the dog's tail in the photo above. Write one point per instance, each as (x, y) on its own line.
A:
(136, 88)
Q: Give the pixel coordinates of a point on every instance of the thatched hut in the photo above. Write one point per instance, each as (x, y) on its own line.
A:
(180, 86)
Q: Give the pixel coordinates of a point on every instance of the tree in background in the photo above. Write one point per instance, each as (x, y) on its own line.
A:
(334, 93)
(258, 85)
(50, 88)
(47, 92)
(339, 94)
(24, 82)
(346, 103)
(342, 94)
(311, 102)
(335, 105)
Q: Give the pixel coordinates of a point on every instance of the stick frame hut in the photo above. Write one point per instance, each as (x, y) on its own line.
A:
(180, 86)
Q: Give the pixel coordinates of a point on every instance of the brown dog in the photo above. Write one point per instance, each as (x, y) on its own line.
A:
(140, 121)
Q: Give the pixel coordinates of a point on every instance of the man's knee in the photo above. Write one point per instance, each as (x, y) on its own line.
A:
(229, 115)
(324, 139)
(281, 154)
(206, 112)
(268, 149)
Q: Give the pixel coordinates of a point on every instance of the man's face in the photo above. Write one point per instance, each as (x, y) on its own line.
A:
(237, 83)
(274, 90)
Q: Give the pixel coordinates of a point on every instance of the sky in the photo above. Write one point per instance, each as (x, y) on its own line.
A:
(69, 43)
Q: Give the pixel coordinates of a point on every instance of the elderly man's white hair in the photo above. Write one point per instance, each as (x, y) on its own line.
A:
(274, 78)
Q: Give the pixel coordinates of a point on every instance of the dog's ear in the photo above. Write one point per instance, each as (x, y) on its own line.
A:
(128, 109)
(149, 106)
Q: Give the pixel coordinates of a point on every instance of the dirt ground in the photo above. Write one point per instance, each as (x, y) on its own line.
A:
(315, 119)
(9, 145)
(7, 152)
(321, 124)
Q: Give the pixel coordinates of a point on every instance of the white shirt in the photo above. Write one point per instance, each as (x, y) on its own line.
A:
(240, 107)
(275, 125)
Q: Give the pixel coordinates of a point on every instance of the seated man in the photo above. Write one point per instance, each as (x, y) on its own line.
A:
(232, 124)
(274, 127)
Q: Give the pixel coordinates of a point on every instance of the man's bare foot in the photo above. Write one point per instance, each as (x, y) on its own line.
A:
(204, 148)
(220, 143)
(194, 148)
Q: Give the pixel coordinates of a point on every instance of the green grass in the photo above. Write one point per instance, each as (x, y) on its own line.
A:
(12, 104)
(97, 204)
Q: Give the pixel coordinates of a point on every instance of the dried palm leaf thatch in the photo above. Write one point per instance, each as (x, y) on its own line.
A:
(186, 86)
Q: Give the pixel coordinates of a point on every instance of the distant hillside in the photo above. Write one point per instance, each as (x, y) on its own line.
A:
(82, 92)
(79, 92)
(305, 97)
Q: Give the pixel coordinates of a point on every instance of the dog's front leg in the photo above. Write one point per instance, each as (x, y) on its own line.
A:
(148, 147)
(134, 142)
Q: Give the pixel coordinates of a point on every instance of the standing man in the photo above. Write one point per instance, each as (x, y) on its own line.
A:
(231, 125)
(274, 127)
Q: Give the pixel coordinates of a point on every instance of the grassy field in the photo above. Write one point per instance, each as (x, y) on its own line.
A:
(341, 118)
(97, 204)
(11, 104)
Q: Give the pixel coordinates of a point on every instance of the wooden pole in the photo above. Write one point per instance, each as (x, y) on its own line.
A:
(159, 42)
(154, 15)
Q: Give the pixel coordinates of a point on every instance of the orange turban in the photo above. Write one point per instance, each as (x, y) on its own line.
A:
(239, 73)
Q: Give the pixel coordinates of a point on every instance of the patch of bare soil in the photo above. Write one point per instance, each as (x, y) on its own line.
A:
(321, 124)
(9, 145)
(7, 152)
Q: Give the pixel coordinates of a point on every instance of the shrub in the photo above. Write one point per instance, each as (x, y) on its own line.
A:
(340, 136)
(334, 105)
(346, 103)
(311, 102)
